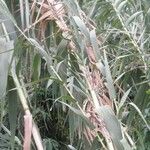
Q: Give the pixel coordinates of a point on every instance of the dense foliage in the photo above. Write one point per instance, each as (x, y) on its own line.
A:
(74, 74)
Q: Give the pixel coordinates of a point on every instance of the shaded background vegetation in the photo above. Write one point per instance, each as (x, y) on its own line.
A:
(55, 51)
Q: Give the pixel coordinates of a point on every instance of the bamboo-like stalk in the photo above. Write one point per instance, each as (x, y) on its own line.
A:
(25, 106)
(19, 90)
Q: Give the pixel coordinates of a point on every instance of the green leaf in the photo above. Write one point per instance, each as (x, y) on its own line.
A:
(71, 147)
(80, 113)
(12, 111)
(94, 43)
(109, 79)
(112, 125)
(36, 67)
(123, 99)
(82, 27)
(140, 113)
(126, 144)
(73, 6)
(61, 69)
(121, 5)
(62, 50)
(138, 101)
(5, 60)
(132, 17)
(49, 83)
(93, 9)
(148, 92)
(5, 11)
(42, 52)
(117, 2)
(50, 144)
